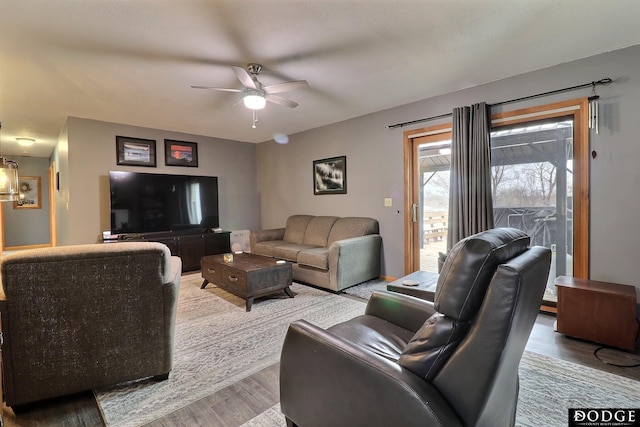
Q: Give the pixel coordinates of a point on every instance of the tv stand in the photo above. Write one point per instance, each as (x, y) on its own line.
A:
(190, 245)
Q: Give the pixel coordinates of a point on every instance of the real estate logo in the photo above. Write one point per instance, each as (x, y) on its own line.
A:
(600, 417)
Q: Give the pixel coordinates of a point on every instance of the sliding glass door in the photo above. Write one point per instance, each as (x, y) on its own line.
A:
(532, 174)
(540, 184)
(433, 206)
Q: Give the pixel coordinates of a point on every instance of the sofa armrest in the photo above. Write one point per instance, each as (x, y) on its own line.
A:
(175, 270)
(319, 372)
(402, 310)
(3, 310)
(170, 291)
(354, 260)
(256, 236)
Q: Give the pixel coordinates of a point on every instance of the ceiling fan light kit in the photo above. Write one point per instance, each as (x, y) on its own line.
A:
(255, 94)
(254, 99)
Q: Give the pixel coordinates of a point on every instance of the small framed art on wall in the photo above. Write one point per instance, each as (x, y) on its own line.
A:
(330, 175)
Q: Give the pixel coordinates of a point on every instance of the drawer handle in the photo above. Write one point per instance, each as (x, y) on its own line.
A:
(210, 270)
(233, 279)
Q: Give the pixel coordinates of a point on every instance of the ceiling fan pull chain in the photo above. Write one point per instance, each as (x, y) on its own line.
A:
(255, 118)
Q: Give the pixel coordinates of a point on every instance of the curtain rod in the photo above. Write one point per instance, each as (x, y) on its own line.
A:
(604, 81)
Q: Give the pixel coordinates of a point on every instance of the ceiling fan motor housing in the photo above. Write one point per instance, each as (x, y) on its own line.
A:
(254, 68)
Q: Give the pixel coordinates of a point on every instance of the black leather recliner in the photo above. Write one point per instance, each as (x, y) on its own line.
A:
(410, 362)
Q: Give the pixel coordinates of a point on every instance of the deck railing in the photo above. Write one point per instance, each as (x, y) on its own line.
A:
(435, 226)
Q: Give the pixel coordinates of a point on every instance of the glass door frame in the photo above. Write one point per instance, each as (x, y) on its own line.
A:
(577, 108)
(412, 140)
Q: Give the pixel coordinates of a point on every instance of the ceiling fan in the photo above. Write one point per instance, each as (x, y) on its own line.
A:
(255, 93)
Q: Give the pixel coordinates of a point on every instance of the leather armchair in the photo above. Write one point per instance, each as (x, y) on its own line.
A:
(411, 362)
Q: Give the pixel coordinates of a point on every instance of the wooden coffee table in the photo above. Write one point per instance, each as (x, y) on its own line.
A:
(247, 276)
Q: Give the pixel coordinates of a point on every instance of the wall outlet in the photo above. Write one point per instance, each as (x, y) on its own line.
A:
(388, 201)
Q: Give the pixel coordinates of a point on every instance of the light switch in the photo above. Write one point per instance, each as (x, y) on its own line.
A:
(388, 201)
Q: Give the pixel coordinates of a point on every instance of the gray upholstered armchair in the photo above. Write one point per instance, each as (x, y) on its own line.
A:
(75, 318)
(409, 362)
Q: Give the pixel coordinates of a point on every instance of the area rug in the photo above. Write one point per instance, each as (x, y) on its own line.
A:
(548, 388)
(217, 344)
(365, 289)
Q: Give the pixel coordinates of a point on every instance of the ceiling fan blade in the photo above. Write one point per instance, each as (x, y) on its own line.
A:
(223, 89)
(281, 101)
(238, 102)
(244, 77)
(286, 86)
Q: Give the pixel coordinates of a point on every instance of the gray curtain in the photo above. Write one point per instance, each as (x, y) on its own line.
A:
(470, 203)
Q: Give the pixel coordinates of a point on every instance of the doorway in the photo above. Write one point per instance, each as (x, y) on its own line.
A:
(427, 160)
(28, 223)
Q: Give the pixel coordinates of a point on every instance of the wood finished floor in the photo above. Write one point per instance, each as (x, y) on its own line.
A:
(246, 399)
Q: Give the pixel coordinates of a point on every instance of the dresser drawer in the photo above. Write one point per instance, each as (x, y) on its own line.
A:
(211, 271)
(233, 277)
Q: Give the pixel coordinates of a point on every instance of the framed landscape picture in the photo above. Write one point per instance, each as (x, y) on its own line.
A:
(330, 176)
(30, 193)
(180, 153)
(136, 151)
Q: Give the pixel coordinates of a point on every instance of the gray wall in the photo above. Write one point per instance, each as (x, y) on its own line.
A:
(375, 160)
(261, 185)
(83, 199)
(60, 160)
(23, 227)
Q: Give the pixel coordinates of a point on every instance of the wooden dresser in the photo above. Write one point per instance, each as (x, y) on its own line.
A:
(597, 311)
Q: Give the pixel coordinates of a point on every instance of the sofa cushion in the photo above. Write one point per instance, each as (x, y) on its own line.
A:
(316, 257)
(318, 230)
(289, 251)
(296, 227)
(348, 227)
(266, 247)
(468, 269)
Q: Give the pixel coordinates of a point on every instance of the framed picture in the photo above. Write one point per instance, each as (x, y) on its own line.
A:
(330, 176)
(180, 153)
(136, 151)
(30, 193)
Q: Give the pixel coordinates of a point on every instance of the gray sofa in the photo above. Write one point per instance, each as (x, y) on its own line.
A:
(77, 318)
(327, 251)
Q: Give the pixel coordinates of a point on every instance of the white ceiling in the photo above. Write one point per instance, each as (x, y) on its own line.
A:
(133, 61)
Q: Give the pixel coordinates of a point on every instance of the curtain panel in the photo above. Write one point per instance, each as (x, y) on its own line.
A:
(470, 201)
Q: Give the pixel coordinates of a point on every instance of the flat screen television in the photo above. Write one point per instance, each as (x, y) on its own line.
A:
(146, 202)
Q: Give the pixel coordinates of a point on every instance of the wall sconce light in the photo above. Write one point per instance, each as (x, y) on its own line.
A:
(8, 180)
(8, 177)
